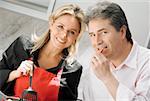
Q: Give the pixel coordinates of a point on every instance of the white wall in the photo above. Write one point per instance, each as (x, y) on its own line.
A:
(13, 24)
(137, 13)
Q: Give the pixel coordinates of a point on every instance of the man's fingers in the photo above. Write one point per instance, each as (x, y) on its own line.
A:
(100, 57)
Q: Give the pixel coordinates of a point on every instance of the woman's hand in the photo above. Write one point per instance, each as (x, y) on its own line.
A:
(25, 68)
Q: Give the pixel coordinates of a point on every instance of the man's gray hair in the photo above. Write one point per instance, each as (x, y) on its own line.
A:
(111, 11)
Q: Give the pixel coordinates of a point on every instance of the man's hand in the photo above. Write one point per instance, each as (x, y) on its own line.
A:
(101, 66)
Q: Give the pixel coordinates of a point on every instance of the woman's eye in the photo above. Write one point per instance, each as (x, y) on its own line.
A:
(60, 27)
(71, 32)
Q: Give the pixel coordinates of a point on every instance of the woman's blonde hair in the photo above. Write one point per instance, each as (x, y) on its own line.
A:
(71, 9)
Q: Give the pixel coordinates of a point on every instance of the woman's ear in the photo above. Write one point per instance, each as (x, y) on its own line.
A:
(50, 23)
(74, 42)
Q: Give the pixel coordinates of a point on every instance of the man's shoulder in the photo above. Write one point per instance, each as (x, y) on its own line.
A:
(143, 51)
(143, 57)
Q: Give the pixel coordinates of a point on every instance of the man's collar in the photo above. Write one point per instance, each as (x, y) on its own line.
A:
(130, 61)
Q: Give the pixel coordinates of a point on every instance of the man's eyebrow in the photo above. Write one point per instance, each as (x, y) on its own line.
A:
(97, 31)
(101, 29)
(91, 33)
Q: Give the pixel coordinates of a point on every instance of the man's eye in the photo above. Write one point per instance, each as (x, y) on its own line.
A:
(104, 32)
(91, 35)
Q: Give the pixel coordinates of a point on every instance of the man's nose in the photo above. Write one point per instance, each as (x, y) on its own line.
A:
(98, 40)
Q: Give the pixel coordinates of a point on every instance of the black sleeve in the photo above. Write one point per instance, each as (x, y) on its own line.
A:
(11, 58)
(69, 82)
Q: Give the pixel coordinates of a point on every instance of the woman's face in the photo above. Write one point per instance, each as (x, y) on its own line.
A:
(64, 31)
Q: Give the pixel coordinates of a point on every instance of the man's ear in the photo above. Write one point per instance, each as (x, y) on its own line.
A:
(123, 31)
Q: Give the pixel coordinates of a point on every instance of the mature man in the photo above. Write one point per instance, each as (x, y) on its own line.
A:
(120, 68)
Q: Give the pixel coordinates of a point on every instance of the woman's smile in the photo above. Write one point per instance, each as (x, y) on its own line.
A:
(60, 40)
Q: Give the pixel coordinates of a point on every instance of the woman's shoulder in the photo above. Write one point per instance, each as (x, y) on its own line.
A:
(73, 66)
(18, 50)
(25, 41)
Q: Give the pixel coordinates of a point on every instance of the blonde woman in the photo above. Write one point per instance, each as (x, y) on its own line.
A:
(57, 73)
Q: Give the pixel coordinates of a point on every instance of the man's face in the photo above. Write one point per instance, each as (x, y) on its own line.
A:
(105, 38)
